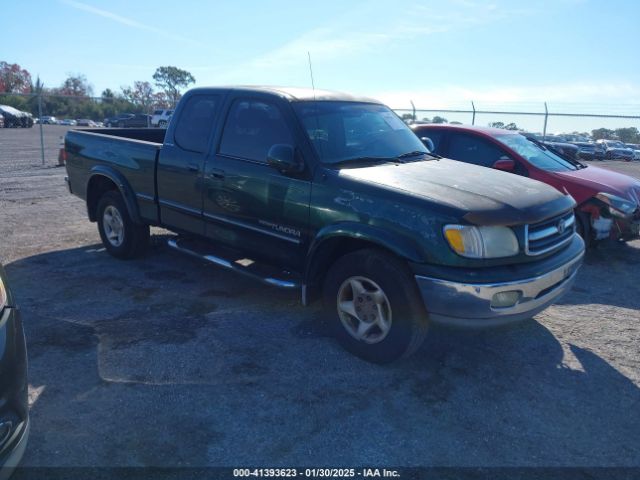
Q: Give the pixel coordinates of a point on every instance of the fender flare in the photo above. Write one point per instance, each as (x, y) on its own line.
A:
(403, 247)
(123, 187)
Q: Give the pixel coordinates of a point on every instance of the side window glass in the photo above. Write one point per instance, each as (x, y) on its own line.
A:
(470, 149)
(252, 128)
(195, 124)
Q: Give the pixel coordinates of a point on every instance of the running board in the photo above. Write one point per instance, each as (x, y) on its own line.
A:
(236, 262)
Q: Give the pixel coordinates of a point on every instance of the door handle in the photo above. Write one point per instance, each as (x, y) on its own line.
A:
(217, 173)
(193, 167)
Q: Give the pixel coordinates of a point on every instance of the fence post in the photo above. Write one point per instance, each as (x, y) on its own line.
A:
(473, 118)
(413, 109)
(546, 116)
(40, 124)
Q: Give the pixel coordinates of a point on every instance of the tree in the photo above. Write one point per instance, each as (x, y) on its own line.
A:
(76, 85)
(628, 135)
(407, 117)
(508, 126)
(141, 94)
(438, 119)
(14, 78)
(602, 133)
(171, 80)
(108, 95)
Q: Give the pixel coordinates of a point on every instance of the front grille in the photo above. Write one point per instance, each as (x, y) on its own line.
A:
(550, 234)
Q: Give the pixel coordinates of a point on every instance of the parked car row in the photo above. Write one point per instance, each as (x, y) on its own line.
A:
(13, 118)
(616, 150)
(128, 120)
(159, 119)
(581, 148)
(607, 202)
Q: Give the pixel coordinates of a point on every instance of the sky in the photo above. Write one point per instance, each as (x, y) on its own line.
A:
(577, 55)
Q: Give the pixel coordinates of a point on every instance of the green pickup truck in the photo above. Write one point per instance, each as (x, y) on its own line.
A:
(335, 196)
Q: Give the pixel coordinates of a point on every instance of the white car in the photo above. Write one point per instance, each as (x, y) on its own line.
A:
(160, 118)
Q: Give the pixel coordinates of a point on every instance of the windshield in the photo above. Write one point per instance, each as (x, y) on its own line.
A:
(538, 156)
(341, 131)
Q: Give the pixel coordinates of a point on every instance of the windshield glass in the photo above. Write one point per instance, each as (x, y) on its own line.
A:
(341, 131)
(544, 159)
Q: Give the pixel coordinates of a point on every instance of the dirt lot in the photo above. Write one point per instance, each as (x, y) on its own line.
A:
(165, 361)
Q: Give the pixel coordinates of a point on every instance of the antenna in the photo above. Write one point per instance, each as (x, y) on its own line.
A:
(315, 103)
(311, 72)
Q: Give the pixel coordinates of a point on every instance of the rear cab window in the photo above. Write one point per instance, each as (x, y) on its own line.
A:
(195, 125)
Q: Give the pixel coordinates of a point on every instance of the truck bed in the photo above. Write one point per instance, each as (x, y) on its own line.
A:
(126, 155)
(153, 135)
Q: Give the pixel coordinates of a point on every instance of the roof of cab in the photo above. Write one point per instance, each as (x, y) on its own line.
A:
(293, 94)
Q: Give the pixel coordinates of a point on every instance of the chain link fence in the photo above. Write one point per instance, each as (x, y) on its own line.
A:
(23, 150)
(543, 117)
(34, 140)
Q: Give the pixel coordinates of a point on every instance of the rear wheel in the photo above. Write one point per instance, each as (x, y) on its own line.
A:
(121, 237)
(374, 307)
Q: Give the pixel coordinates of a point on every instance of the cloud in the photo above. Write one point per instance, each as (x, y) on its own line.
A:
(128, 22)
(578, 97)
(367, 28)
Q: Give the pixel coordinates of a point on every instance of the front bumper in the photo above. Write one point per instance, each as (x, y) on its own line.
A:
(470, 304)
(12, 459)
(14, 407)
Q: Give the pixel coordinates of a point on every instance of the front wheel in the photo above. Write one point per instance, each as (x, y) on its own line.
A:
(373, 304)
(121, 237)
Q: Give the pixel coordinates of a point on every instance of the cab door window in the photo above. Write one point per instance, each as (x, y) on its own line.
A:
(252, 128)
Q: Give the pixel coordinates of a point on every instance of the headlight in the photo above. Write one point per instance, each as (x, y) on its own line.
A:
(618, 206)
(3, 295)
(481, 242)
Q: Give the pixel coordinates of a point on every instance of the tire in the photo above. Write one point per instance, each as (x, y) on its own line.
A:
(583, 228)
(121, 237)
(379, 287)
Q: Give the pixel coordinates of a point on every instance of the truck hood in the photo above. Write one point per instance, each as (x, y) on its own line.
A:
(597, 180)
(483, 195)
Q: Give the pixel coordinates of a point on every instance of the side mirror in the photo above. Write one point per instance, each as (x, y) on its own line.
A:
(428, 143)
(282, 157)
(505, 164)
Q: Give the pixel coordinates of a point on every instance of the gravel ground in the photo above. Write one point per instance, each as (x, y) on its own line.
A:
(165, 361)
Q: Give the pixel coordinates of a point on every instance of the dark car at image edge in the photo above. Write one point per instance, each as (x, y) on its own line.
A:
(14, 408)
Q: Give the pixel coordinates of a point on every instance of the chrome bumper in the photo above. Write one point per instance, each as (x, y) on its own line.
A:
(467, 304)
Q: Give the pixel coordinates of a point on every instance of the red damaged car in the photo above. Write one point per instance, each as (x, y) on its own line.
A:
(608, 202)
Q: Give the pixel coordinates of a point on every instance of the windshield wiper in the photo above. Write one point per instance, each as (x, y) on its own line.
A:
(364, 160)
(415, 153)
